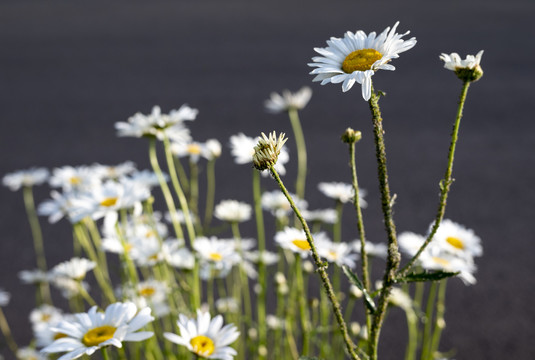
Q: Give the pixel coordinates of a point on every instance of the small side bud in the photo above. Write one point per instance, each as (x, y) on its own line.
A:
(351, 136)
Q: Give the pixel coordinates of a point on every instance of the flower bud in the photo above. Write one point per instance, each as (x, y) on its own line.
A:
(351, 136)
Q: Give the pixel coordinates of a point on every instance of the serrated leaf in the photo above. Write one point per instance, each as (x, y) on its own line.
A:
(427, 276)
(370, 304)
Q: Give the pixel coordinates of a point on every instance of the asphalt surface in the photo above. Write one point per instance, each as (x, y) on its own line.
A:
(69, 70)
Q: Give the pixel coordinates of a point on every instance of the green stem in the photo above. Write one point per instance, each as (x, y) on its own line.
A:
(444, 184)
(302, 301)
(104, 352)
(321, 269)
(393, 259)
(6, 331)
(439, 321)
(412, 327)
(360, 226)
(301, 153)
(38, 243)
(194, 195)
(210, 192)
(429, 310)
(165, 189)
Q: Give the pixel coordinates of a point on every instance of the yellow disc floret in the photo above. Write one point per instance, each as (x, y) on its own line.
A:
(108, 202)
(301, 244)
(98, 335)
(194, 149)
(455, 242)
(216, 256)
(202, 345)
(147, 292)
(360, 60)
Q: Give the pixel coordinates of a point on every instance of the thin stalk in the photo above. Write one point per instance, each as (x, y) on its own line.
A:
(262, 277)
(244, 288)
(321, 269)
(393, 259)
(301, 299)
(439, 321)
(412, 343)
(429, 310)
(194, 195)
(360, 227)
(38, 243)
(301, 153)
(444, 183)
(104, 352)
(210, 192)
(165, 189)
(6, 331)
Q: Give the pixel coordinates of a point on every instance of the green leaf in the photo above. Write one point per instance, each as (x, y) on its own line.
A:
(427, 276)
(355, 281)
(308, 358)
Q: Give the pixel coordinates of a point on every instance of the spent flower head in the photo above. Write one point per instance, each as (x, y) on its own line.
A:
(468, 69)
(267, 150)
(357, 56)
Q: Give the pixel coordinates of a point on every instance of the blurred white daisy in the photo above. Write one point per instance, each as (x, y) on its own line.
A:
(44, 315)
(217, 256)
(34, 276)
(457, 239)
(75, 268)
(59, 206)
(151, 293)
(88, 332)
(233, 211)
(434, 259)
(25, 178)
(206, 337)
(298, 100)
(357, 57)
(4, 298)
(342, 192)
(372, 249)
(159, 125)
(338, 253)
(69, 287)
(225, 305)
(192, 149)
(71, 178)
(327, 216)
(212, 149)
(242, 148)
(114, 172)
(410, 242)
(28, 353)
(277, 203)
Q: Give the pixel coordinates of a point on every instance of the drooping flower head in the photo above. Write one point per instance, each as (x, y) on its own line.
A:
(205, 337)
(467, 69)
(85, 333)
(357, 56)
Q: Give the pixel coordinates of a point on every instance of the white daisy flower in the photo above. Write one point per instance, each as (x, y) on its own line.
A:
(27, 353)
(217, 256)
(410, 242)
(88, 332)
(338, 253)
(71, 178)
(25, 178)
(59, 206)
(327, 216)
(275, 201)
(206, 337)
(264, 257)
(146, 178)
(75, 269)
(192, 149)
(295, 240)
(229, 304)
(114, 172)
(151, 293)
(342, 192)
(233, 211)
(457, 239)
(177, 255)
(212, 149)
(34, 276)
(454, 62)
(159, 125)
(242, 148)
(69, 287)
(180, 216)
(357, 57)
(434, 259)
(288, 100)
(44, 315)
(4, 298)
(372, 249)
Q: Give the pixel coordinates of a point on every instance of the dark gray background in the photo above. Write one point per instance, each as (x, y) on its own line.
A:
(69, 70)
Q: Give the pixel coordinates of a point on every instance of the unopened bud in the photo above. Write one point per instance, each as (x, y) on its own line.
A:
(351, 136)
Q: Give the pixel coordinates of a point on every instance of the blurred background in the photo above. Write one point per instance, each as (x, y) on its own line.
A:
(69, 70)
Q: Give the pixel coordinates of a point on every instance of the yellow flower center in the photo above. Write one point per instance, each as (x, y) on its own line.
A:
(441, 261)
(147, 292)
(59, 336)
(301, 244)
(202, 345)
(194, 149)
(75, 180)
(215, 256)
(333, 254)
(98, 335)
(107, 202)
(455, 242)
(128, 247)
(45, 317)
(360, 60)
